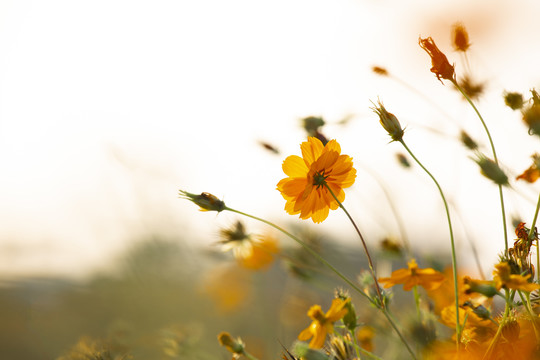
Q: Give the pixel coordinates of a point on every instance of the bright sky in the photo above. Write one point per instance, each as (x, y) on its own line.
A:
(107, 108)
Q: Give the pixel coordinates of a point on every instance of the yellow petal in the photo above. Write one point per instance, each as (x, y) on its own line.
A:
(294, 166)
(311, 150)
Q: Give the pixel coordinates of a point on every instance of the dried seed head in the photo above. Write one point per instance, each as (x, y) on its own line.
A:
(491, 170)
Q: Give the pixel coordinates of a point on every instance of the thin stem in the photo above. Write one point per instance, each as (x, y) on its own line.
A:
(306, 247)
(417, 302)
(392, 323)
(356, 346)
(527, 304)
(371, 268)
(454, 261)
(494, 158)
(531, 235)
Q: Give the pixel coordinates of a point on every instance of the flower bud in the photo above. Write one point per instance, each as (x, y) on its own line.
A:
(206, 201)
(491, 170)
(235, 346)
(486, 288)
(467, 141)
(389, 122)
(460, 37)
(513, 100)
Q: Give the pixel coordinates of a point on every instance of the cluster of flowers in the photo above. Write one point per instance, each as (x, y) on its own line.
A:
(487, 319)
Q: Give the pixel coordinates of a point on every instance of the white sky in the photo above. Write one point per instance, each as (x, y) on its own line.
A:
(107, 108)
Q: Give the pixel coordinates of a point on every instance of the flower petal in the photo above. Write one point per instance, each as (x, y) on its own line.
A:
(311, 150)
(294, 166)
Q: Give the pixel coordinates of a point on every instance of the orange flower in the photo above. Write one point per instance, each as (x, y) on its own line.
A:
(427, 278)
(309, 177)
(322, 323)
(439, 63)
(504, 278)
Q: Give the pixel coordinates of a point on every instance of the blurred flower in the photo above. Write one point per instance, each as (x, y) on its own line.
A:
(365, 337)
(252, 252)
(305, 188)
(412, 276)
(390, 246)
(460, 37)
(533, 172)
(341, 347)
(313, 125)
(443, 295)
(505, 279)
(88, 348)
(513, 100)
(322, 323)
(439, 63)
(235, 346)
(228, 287)
(531, 117)
(206, 201)
(389, 122)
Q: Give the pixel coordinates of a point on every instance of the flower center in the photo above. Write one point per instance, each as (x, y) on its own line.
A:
(319, 179)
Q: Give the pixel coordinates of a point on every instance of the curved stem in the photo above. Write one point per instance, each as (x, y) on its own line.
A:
(370, 262)
(494, 159)
(393, 324)
(454, 261)
(307, 248)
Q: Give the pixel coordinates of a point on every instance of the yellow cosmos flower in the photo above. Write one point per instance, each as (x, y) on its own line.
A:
(322, 323)
(504, 278)
(309, 177)
(429, 279)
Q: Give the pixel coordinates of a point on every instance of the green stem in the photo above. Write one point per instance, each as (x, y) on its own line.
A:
(333, 269)
(454, 261)
(393, 324)
(494, 158)
(417, 302)
(249, 356)
(307, 248)
(370, 263)
(531, 235)
(356, 346)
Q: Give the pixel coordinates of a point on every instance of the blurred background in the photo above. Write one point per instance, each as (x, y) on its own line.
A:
(108, 108)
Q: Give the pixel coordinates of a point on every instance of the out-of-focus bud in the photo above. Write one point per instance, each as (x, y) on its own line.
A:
(491, 170)
(439, 63)
(235, 346)
(460, 37)
(389, 122)
(379, 70)
(303, 351)
(403, 161)
(467, 141)
(513, 100)
(531, 117)
(479, 310)
(486, 288)
(206, 201)
(472, 88)
(350, 317)
(269, 147)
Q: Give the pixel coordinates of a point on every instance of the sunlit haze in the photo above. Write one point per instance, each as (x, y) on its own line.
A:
(108, 108)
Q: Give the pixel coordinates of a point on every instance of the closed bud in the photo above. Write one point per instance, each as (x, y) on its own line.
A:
(389, 122)
(206, 201)
(460, 37)
(467, 141)
(491, 170)
(486, 288)
(439, 63)
(235, 346)
(513, 100)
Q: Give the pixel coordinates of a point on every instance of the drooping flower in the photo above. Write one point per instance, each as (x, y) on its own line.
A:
(321, 167)
(322, 323)
(439, 63)
(504, 278)
(412, 276)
